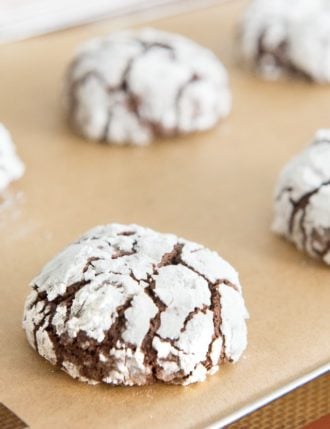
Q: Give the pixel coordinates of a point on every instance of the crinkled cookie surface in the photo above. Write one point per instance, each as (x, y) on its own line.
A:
(302, 199)
(126, 305)
(280, 37)
(132, 87)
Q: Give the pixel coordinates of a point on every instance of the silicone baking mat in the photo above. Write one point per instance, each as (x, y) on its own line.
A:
(305, 405)
(215, 188)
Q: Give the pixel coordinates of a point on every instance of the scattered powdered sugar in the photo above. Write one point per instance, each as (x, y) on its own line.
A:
(130, 87)
(302, 199)
(11, 204)
(280, 36)
(11, 167)
(128, 305)
(10, 200)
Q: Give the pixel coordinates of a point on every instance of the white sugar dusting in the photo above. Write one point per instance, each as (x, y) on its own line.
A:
(11, 167)
(302, 199)
(280, 36)
(131, 87)
(124, 291)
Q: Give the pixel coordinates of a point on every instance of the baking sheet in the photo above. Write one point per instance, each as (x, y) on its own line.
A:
(214, 188)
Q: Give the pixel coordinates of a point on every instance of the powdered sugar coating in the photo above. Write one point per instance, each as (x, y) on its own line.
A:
(131, 87)
(11, 167)
(279, 37)
(128, 305)
(302, 199)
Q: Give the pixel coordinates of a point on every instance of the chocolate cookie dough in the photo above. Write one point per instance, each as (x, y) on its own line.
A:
(131, 87)
(280, 37)
(302, 199)
(11, 167)
(126, 305)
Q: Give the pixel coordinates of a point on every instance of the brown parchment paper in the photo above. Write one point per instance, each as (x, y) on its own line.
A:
(215, 188)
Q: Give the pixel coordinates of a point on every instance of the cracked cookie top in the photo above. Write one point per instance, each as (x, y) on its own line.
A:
(131, 87)
(128, 305)
(302, 199)
(280, 37)
(11, 167)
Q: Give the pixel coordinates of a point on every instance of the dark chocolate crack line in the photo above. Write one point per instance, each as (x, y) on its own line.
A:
(145, 84)
(126, 305)
(271, 36)
(302, 200)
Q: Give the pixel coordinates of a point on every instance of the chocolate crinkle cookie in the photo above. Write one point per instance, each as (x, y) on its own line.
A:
(11, 167)
(126, 305)
(281, 37)
(302, 199)
(131, 87)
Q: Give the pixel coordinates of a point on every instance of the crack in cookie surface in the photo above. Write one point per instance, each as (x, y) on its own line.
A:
(140, 308)
(115, 90)
(271, 35)
(302, 208)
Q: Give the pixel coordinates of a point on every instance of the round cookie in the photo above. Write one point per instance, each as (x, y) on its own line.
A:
(287, 38)
(126, 305)
(132, 87)
(302, 199)
(11, 167)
